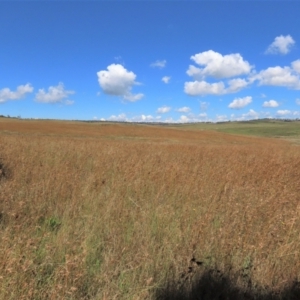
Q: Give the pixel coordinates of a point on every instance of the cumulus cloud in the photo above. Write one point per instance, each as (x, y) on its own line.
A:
(6, 94)
(191, 118)
(55, 94)
(282, 45)
(159, 64)
(283, 112)
(279, 76)
(195, 72)
(218, 66)
(120, 118)
(296, 65)
(221, 118)
(163, 109)
(143, 118)
(140, 118)
(235, 85)
(298, 101)
(251, 114)
(240, 102)
(184, 119)
(166, 79)
(195, 88)
(271, 103)
(117, 81)
(184, 109)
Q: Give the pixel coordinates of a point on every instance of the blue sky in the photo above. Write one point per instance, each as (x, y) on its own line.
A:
(166, 61)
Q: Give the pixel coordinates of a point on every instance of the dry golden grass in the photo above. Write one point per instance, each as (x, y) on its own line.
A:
(105, 211)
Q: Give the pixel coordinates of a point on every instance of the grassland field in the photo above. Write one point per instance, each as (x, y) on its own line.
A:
(135, 211)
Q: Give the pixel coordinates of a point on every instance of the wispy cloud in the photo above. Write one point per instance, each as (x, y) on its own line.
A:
(159, 64)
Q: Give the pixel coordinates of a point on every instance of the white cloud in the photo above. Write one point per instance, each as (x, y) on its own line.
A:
(121, 117)
(204, 88)
(166, 79)
(117, 81)
(221, 118)
(55, 94)
(184, 119)
(163, 109)
(252, 114)
(6, 94)
(133, 98)
(190, 118)
(169, 120)
(149, 118)
(195, 88)
(298, 101)
(271, 103)
(195, 72)
(184, 109)
(283, 112)
(235, 85)
(282, 44)
(159, 64)
(296, 65)
(240, 102)
(218, 66)
(279, 76)
(141, 118)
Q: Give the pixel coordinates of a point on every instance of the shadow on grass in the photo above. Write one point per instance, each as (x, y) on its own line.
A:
(213, 285)
(4, 171)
